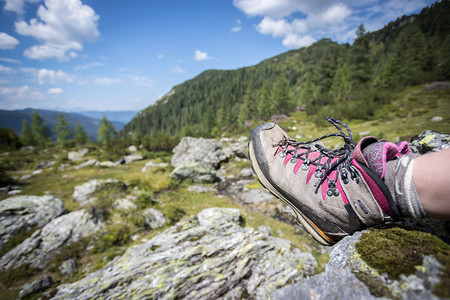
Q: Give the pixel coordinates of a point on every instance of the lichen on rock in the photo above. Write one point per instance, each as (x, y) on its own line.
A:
(203, 257)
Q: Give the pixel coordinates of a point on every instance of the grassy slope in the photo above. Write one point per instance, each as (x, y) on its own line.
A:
(407, 115)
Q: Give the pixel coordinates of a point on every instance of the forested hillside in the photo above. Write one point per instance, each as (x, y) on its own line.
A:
(327, 78)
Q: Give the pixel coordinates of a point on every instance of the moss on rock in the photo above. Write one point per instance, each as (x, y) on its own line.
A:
(398, 251)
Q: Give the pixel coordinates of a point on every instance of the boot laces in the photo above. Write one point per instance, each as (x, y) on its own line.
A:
(342, 164)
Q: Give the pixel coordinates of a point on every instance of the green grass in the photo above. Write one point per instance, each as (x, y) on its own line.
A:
(408, 114)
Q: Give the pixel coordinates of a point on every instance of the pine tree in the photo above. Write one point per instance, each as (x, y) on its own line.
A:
(281, 96)
(265, 102)
(40, 131)
(63, 132)
(248, 108)
(106, 133)
(80, 135)
(26, 134)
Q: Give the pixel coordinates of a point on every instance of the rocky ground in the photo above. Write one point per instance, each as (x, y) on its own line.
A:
(194, 224)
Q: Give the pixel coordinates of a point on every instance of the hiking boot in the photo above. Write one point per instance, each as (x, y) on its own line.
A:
(332, 193)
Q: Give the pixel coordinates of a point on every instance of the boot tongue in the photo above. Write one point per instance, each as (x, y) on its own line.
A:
(375, 154)
(378, 154)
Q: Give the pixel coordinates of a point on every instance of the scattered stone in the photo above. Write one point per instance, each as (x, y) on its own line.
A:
(132, 148)
(27, 149)
(246, 172)
(364, 133)
(132, 158)
(198, 150)
(35, 287)
(430, 141)
(26, 177)
(207, 257)
(200, 189)
(45, 164)
(256, 196)
(437, 119)
(90, 162)
(152, 164)
(278, 118)
(77, 155)
(107, 164)
(36, 172)
(440, 85)
(265, 229)
(68, 268)
(86, 192)
(44, 243)
(198, 172)
(23, 213)
(154, 218)
(125, 204)
(14, 192)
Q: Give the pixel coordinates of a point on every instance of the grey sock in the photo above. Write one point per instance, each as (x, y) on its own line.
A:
(401, 185)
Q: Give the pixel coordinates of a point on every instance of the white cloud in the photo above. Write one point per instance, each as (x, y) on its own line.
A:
(271, 8)
(88, 66)
(142, 80)
(7, 42)
(277, 28)
(238, 27)
(199, 55)
(7, 70)
(45, 76)
(62, 27)
(160, 56)
(106, 80)
(333, 15)
(55, 91)
(24, 93)
(320, 17)
(178, 69)
(301, 22)
(297, 41)
(17, 6)
(9, 60)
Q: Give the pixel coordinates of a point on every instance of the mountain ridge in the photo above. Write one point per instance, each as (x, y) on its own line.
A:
(350, 80)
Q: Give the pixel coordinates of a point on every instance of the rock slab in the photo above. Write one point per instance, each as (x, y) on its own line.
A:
(22, 213)
(205, 257)
(45, 243)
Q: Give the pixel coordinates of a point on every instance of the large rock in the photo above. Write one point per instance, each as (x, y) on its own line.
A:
(345, 262)
(198, 172)
(154, 218)
(22, 213)
(198, 150)
(429, 141)
(77, 155)
(36, 286)
(86, 193)
(45, 243)
(207, 257)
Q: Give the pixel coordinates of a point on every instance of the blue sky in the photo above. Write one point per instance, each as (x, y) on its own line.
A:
(124, 55)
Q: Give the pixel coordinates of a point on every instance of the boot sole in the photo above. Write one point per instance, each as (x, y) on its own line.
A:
(310, 227)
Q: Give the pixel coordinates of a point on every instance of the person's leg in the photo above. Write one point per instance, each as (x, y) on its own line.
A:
(431, 176)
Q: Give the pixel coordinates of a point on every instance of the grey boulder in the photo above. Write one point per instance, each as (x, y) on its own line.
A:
(45, 243)
(206, 257)
(22, 213)
(86, 193)
(199, 150)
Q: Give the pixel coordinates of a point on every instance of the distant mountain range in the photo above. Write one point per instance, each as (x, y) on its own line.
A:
(123, 117)
(90, 120)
